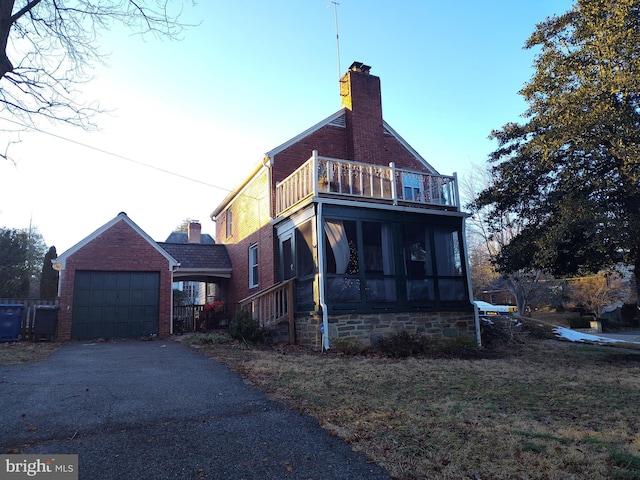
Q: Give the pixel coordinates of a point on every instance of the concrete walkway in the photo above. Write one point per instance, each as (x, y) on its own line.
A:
(160, 410)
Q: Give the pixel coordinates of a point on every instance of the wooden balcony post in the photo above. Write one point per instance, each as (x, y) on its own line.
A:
(290, 314)
(314, 179)
(394, 188)
(456, 190)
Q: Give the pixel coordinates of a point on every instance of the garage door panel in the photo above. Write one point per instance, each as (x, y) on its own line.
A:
(94, 330)
(105, 297)
(79, 330)
(82, 313)
(115, 304)
(123, 297)
(96, 297)
(83, 297)
(137, 297)
(122, 330)
(108, 330)
(123, 314)
(110, 279)
(95, 314)
(138, 283)
(124, 280)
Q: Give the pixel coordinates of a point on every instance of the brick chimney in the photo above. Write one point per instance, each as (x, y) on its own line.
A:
(193, 234)
(361, 96)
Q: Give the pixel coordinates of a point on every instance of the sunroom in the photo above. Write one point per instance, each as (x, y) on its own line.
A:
(373, 250)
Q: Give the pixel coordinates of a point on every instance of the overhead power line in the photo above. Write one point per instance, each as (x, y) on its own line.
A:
(117, 155)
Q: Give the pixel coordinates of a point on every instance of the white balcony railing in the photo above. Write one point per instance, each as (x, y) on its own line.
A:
(321, 176)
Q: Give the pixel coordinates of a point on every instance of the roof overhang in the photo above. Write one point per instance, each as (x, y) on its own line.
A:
(206, 275)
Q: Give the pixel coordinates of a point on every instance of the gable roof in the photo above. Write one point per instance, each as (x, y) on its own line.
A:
(338, 120)
(199, 262)
(60, 262)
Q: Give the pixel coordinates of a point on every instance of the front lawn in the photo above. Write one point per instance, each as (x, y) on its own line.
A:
(534, 410)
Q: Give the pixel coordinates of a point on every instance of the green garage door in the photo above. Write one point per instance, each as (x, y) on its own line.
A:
(115, 304)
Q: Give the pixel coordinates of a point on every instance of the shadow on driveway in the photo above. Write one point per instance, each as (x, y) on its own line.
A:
(160, 410)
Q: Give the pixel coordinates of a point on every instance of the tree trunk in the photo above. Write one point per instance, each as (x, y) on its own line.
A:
(5, 26)
(636, 272)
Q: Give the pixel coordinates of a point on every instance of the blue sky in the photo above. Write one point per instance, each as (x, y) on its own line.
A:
(248, 77)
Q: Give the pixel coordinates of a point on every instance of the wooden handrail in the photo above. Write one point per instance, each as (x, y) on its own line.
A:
(273, 305)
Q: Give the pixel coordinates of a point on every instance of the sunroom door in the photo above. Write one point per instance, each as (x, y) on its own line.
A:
(288, 267)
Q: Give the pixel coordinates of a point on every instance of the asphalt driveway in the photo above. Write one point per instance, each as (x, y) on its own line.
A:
(160, 410)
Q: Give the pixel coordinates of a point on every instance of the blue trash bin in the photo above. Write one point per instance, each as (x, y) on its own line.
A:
(10, 321)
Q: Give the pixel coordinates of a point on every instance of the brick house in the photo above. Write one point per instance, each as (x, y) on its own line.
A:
(345, 231)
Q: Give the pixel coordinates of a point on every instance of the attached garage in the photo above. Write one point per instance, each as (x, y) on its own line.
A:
(115, 304)
(116, 283)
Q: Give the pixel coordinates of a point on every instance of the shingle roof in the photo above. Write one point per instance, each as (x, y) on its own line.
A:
(183, 237)
(198, 256)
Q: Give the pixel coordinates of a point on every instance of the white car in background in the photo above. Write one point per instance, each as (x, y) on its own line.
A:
(487, 309)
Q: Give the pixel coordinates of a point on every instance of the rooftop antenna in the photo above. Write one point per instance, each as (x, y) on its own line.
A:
(335, 16)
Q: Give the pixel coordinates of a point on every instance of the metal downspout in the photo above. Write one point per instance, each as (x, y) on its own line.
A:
(476, 316)
(321, 262)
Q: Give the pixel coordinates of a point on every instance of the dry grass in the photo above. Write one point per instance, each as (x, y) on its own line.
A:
(23, 352)
(543, 410)
(534, 410)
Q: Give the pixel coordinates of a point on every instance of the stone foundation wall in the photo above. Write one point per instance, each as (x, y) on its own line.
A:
(369, 328)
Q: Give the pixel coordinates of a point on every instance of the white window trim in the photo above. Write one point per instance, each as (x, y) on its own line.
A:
(229, 223)
(253, 265)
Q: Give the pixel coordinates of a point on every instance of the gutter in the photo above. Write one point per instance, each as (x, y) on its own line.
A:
(321, 268)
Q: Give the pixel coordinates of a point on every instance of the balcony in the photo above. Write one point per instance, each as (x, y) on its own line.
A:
(335, 178)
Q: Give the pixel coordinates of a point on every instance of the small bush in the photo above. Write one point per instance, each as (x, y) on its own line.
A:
(208, 339)
(246, 328)
(349, 346)
(501, 330)
(401, 345)
(580, 322)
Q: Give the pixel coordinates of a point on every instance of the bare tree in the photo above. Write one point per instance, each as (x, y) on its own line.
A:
(491, 235)
(48, 47)
(596, 292)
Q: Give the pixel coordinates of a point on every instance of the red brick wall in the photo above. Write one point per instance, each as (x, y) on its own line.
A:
(120, 248)
(330, 141)
(394, 151)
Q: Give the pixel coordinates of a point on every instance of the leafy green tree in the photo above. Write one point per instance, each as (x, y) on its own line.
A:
(14, 268)
(21, 253)
(571, 171)
(180, 298)
(36, 250)
(49, 278)
(47, 48)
